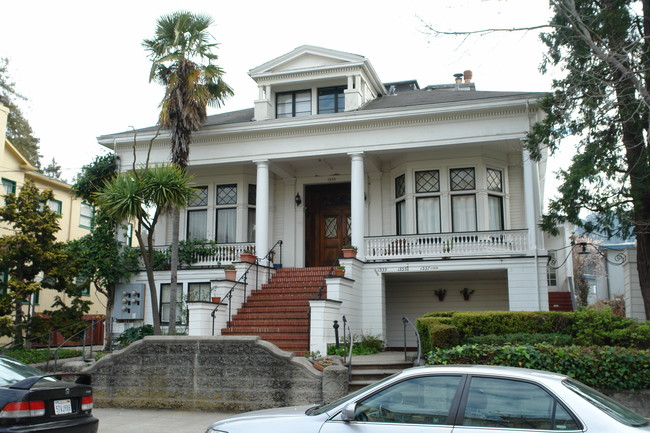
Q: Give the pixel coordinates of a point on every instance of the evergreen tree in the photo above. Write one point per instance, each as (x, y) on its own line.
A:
(19, 132)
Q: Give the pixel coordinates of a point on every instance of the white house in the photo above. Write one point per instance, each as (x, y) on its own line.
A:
(431, 184)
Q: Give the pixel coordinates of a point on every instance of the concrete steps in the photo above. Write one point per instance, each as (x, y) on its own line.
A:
(369, 369)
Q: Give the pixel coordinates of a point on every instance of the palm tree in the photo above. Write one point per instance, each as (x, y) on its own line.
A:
(143, 196)
(180, 46)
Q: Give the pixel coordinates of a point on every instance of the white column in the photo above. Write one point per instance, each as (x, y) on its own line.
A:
(357, 206)
(262, 209)
(529, 200)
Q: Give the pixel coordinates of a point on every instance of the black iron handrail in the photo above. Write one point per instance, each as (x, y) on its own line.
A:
(407, 322)
(335, 263)
(242, 279)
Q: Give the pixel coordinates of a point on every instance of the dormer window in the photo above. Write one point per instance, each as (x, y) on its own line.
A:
(293, 104)
(331, 100)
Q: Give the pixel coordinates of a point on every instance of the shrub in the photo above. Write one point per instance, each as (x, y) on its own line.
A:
(444, 335)
(366, 345)
(133, 334)
(600, 367)
(31, 356)
(521, 338)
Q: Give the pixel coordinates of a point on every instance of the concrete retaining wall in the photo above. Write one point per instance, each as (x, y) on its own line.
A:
(210, 373)
(638, 401)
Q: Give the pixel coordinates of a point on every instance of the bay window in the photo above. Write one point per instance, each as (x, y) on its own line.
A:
(495, 199)
(252, 201)
(427, 185)
(463, 206)
(197, 217)
(400, 203)
(226, 213)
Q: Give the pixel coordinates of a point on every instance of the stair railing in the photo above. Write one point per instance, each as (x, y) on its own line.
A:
(407, 322)
(242, 279)
(335, 263)
(347, 340)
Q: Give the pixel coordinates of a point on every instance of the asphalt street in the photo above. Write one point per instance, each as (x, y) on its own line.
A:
(154, 421)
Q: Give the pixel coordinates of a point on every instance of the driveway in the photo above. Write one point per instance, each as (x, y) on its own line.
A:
(154, 421)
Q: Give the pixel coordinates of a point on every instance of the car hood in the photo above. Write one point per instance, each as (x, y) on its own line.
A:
(266, 416)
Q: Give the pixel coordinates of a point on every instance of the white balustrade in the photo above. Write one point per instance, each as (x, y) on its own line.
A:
(439, 245)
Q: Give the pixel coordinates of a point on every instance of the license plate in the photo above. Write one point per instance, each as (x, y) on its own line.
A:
(62, 407)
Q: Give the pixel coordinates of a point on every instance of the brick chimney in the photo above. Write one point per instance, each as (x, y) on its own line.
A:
(467, 76)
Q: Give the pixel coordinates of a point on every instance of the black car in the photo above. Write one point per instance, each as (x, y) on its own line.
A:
(32, 401)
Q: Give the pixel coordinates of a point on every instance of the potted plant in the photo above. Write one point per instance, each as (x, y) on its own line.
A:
(338, 271)
(231, 272)
(349, 251)
(247, 256)
(216, 299)
(440, 293)
(466, 293)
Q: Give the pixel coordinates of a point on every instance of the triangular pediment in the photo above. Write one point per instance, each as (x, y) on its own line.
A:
(306, 58)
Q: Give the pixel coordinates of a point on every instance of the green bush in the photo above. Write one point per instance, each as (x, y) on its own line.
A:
(600, 367)
(521, 338)
(36, 356)
(365, 345)
(133, 334)
(444, 335)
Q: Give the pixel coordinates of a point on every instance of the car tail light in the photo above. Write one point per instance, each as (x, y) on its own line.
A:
(23, 409)
(87, 402)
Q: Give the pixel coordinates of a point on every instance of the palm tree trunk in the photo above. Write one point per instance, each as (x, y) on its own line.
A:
(174, 270)
(147, 258)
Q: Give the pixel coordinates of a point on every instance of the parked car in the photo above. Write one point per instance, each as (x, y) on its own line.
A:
(460, 398)
(33, 401)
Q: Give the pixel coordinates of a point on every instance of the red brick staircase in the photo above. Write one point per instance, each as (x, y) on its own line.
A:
(279, 311)
(559, 301)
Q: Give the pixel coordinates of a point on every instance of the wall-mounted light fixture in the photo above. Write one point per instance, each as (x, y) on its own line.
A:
(584, 248)
(298, 199)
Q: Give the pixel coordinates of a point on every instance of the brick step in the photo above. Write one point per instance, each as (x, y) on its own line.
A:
(252, 322)
(286, 290)
(270, 329)
(275, 303)
(293, 285)
(277, 297)
(298, 337)
(255, 315)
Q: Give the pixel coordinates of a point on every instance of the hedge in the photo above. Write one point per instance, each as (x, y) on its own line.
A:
(599, 367)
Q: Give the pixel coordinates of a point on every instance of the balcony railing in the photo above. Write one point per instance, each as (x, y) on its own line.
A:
(440, 245)
(207, 254)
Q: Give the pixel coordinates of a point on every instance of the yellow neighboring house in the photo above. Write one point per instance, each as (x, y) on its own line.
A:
(75, 215)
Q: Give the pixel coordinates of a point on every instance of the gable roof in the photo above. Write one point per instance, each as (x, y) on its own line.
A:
(306, 57)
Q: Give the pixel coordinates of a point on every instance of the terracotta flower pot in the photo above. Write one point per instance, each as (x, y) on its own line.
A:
(247, 257)
(231, 274)
(337, 272)
(216, 299)
(349, 253)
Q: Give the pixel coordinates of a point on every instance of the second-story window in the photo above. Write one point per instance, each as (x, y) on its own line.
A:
(293, 104)
(331, 100)
(463, 200)
(56, 206)
(226, 213)
(495, 199)
(197, 215)
(427, 189)
(86, 216)
(9, 186)
(400, 203)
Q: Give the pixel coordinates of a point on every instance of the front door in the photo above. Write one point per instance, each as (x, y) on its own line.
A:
(328, 222)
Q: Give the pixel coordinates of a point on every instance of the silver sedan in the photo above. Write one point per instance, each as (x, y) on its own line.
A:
(462, 399)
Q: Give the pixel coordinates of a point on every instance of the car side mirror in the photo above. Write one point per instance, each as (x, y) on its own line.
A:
(347, 414)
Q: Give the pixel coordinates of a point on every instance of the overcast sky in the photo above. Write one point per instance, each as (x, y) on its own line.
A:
(82, 66)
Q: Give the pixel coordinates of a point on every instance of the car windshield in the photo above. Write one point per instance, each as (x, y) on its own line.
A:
(317, 410)
(12, 371)
(606, 404)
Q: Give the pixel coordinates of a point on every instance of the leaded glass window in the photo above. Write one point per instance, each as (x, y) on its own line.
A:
(200, 196)
(494, 180)
(330, 227)
(427, 181)
(226, 194)
(400, 186)
(462, 179)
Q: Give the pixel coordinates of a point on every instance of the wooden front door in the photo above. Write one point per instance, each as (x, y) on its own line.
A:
(327, 222)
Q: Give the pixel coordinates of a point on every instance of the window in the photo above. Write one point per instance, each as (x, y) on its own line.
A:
(421, 400)
(427, 183)
(164, 303)
(495, 199)
(463, 207)
(293, 104)
(197, 219)
(226, 213)
(252, 201)
(9, 186)
(199, 292)
(331, 100)
(551, 274)
(56, 206)
(512, 404)
(86, 217)
(85, 290)
(400, 203)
